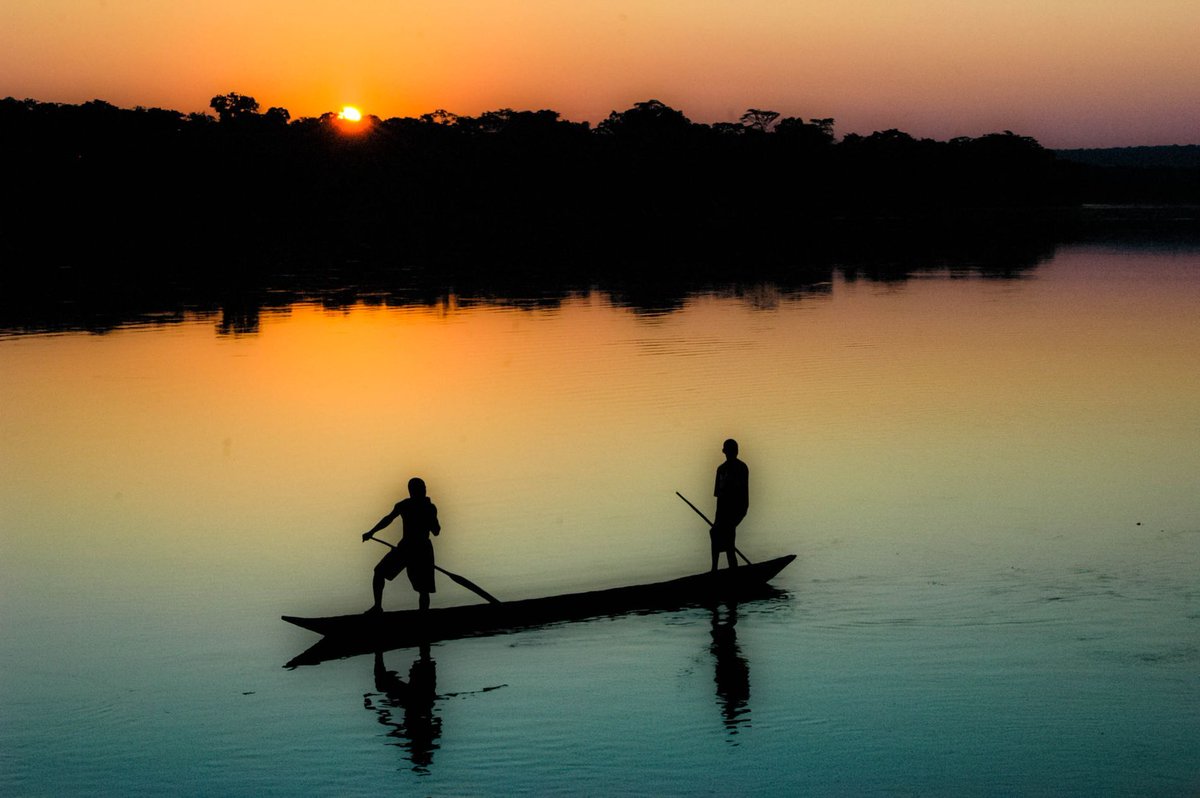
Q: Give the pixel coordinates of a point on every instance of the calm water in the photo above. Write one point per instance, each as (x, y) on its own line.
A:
(991, 483)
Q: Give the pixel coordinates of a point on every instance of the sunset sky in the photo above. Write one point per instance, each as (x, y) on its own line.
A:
(1071, 73)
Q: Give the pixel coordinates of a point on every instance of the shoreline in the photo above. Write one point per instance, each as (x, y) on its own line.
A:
(656, 275)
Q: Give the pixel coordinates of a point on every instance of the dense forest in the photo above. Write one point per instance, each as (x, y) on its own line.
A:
(99, 196)
(1167, 175)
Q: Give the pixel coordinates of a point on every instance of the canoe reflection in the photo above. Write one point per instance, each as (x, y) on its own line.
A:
(408, 708)
(732, 672)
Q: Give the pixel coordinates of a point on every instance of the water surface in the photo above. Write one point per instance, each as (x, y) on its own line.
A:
(991, 484)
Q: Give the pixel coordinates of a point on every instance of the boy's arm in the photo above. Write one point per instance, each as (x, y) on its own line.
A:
(387, 519)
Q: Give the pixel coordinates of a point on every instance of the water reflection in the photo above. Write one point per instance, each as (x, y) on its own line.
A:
(407, 708)
(731, 672)
(650, 281)
(239, 317)
(641, 282)
(904, 443)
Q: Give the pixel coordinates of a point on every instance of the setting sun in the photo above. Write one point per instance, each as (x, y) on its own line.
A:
(350, 114)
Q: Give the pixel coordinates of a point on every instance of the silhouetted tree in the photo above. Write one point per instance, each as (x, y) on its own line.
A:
(651, 119)
(728, 128)
(160, 118)
(100, 106)
(233, 106)
(891, 138)
(756, 119)
(440, 117)
(508, 121)
(825, 125)
(814, 133)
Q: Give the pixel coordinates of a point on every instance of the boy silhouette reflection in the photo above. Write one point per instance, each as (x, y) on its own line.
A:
(414, 551)
(732, 672)
(732, 490)
(420, 728)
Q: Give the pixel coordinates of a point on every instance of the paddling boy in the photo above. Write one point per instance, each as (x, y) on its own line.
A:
(415, 549)
(733, 500)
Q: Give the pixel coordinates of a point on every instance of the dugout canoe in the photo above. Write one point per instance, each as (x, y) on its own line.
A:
(346, 635)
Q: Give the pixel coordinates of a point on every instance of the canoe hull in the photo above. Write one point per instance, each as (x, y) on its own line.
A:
(354, 634)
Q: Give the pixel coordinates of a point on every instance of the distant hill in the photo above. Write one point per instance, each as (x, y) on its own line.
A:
(1171, 157)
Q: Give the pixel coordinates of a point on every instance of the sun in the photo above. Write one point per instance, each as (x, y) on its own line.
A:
(350, 114)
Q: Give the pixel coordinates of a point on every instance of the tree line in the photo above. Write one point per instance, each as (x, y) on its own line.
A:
(99, 194)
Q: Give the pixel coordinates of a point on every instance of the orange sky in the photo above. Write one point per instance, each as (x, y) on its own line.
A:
(1068, 72)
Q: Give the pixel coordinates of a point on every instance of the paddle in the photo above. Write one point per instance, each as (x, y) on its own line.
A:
(710, 523)
(462, 580)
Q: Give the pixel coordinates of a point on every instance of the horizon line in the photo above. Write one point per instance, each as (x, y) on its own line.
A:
(207, 111)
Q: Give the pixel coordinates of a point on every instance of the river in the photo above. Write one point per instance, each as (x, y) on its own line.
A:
(991, 483)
